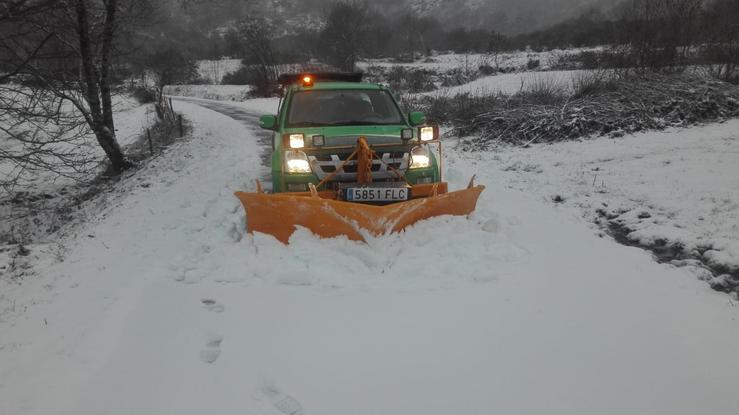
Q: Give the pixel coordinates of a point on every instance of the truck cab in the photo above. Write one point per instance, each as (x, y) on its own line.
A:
(320, 120)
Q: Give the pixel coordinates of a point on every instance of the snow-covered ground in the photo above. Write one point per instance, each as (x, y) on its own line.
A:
(511, 83)
(214, 70)
(517, 60)
(43, 201)
(213, 92)
(164, 305)
(131, 118)
(678, 187)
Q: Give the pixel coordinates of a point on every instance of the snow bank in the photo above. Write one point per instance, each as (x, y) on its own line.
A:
(519, 309)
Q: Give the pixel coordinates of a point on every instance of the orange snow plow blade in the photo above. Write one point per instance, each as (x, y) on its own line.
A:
(280, 214)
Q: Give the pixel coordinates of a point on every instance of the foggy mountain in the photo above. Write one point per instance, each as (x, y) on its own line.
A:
(505, 16)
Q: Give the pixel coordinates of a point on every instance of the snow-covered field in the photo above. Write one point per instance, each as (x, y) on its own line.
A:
(680, 187)
(214, 70)
(511, 83)
(164, 305)
(517, 60)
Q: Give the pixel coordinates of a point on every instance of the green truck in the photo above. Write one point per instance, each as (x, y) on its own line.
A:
(320, 119)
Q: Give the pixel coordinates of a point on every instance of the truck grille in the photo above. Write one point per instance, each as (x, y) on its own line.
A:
(382, 169)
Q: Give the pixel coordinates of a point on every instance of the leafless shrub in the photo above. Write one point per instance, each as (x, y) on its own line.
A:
(542, 89)
(630, 104)
(346, 34)
(41, 134)
(459, 75)
(659, 32)
(260, 70)
(723, 35)
(533, 64)
(411, 80)
(62, 52)
(594, 83)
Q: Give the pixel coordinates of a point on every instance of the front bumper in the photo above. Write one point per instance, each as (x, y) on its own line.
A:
(299, 182)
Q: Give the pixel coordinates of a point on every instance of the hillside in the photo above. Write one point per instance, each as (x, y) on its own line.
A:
(506, 16)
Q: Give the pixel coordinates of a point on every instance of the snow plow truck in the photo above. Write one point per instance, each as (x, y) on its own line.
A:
(347, 161)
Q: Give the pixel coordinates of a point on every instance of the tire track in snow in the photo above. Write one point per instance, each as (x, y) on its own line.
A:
(249, 119)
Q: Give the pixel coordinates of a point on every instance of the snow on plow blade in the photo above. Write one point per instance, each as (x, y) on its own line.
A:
(280, 214)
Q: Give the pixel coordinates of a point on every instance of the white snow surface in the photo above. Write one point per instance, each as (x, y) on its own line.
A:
(163, 305)
(212, 92)
(213, 70)
(131, 119)
(472, 61)
(511, 83)
(679, 185)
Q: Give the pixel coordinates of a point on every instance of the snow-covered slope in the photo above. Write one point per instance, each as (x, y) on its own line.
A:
(675, 189)
(164, 305)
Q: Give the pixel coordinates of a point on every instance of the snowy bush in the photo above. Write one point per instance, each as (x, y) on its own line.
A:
(603, 105)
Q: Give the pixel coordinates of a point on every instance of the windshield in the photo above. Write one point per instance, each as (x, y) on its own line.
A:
(344, 107)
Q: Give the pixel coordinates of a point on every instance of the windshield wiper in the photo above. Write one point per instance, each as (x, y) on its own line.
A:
(363, 123)
(338, 124)
(310, 124)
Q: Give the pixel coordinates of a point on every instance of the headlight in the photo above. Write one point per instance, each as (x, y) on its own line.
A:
(297, 162)
(427, 133)
(297, 141)
(420, 157)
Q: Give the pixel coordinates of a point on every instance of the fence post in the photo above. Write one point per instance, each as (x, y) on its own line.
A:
(151, 146)
(179, 121)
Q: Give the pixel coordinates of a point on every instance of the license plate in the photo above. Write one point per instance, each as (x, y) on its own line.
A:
(377, 194)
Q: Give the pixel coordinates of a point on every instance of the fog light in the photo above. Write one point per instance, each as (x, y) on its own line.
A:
(297, 162)
(427, 133)
(420, 157)
(318, 140)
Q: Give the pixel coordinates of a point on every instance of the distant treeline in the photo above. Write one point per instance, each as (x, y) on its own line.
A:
(652, 23)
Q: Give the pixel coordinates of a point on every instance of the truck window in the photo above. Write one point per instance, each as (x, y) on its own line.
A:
(346, 107)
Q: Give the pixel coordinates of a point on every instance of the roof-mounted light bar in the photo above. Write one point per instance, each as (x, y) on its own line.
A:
(300, 78)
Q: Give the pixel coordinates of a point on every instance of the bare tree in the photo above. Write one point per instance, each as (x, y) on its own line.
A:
(261, 62)
(722, 28)
(345, 35)
(61, 52)
(659, 32)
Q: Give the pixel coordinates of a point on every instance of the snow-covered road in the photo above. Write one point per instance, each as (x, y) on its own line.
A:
(163, 305)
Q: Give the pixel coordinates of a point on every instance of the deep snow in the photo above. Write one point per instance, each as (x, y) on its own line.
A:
(164, 305)
(679, 186)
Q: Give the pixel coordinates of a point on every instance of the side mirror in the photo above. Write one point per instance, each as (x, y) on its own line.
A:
(268, 122)
(416, 118)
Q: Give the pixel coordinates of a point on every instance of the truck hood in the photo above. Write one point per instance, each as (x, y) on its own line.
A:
(347, 135)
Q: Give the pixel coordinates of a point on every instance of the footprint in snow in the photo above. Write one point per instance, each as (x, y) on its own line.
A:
(213, 305)
(212, 350)
(282, 402)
